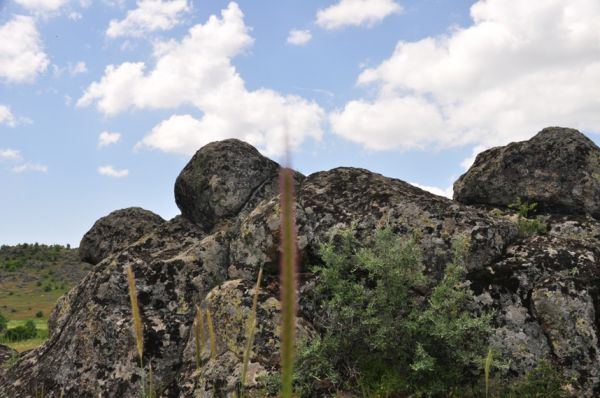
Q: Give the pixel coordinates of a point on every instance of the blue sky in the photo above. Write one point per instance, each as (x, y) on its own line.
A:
(103, 102)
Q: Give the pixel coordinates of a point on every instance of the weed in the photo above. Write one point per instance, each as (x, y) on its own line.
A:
(250, 330)
(288, 280)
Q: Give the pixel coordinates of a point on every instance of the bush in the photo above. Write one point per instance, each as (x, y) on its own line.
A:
(19, 333)
(526, 225)
(3, 323)
(542, 382)
(39, 314)
(381, 334)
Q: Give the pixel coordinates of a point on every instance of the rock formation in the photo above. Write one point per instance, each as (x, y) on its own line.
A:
(559, 169)
(543, 289)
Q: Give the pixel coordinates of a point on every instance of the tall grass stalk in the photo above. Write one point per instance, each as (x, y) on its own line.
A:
(211, 335)
(137, 319)
(251, 329)
(288, 280)
(487, 368)
(199, 335)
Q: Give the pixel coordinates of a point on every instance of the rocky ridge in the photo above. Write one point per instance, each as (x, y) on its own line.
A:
(543, 289)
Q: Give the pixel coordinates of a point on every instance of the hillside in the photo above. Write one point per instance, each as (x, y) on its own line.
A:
(34, 276)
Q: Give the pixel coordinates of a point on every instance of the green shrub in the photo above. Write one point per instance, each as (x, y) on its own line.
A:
(3, 323)
(381, 334)
(20, 333)
(39, 314)
(526, 225)
(542, 382)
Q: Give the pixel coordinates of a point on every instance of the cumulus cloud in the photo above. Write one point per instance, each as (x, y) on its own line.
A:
(106, 138)
(447, 192)
(22, 57)
(356, 13)
(10, 154)
(42, 6)
(149, 16)
(198, 71)
(520, 67)
(112, 172)
(6, 116)
(299, 37)
(78, 68)
(26, 167)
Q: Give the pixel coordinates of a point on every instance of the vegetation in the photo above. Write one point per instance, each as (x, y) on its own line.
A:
(32, 278)
(528, 226)
(381, 335)
(3, 323)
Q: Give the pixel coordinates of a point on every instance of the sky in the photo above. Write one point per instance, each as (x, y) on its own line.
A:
(103, 102)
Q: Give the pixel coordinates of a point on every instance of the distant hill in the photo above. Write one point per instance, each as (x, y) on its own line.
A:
(34, 276)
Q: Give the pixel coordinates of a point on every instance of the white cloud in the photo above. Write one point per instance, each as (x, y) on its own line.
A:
(149, 16)
(42, 6)
(448, 192)
(356, 13)
(105, 138)
(520, 67)
(75, 16)
(25, 167)
(197, 71)
(78, 68)
(299, 37)
(6, 116)
(10, 154)
(22, 57)
(112, 172)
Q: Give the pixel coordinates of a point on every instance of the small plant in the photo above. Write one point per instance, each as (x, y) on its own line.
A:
(526, 225)
(250, 331)
(542, 382)
(288, 280)
(39, 314)
(199, 335)
(487, 368)
(212, 337)
(523, 208)
(3, 323)
(148, 391)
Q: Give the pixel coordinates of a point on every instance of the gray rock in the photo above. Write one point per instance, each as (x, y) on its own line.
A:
(543, 290)
(559, 169)
(230, 305)
(115, 232)
(220, 179)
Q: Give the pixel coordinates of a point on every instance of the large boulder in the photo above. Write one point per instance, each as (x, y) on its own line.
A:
(542, 290)
(544, 293)
(559, 169)
(115, 232)
(350, 198)
(221, 179)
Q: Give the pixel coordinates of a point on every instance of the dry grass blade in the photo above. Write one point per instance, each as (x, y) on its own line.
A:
(199, 335)
(137, 320)
(288, 280)
(211, 335)
(151, 387)
(488, 366)
(251, 329)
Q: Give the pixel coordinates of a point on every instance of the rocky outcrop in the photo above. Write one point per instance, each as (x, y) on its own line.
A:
(543, 290)
(220, 180)
(559, 169)
(116, 231)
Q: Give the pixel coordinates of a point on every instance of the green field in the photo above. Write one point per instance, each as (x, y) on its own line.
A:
(32, 278)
